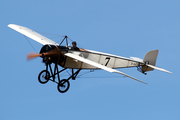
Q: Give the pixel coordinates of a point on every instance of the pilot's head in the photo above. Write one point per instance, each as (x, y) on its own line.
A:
(74, 44)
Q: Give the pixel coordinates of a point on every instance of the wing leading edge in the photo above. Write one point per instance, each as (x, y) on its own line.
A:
(99, 65)
(32, 34)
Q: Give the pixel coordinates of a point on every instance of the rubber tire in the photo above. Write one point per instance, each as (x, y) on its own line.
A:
(40, 76)
(66, 83)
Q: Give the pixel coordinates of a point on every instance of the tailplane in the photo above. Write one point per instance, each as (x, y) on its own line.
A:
(158, 68)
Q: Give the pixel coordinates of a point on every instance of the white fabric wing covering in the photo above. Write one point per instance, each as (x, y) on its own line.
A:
(32, 34)
(99, 65)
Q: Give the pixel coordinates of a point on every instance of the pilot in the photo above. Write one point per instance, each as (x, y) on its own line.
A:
(74, 46)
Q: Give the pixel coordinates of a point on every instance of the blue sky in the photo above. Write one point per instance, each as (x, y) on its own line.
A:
(125, 28)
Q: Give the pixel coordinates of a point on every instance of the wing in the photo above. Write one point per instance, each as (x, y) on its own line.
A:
(99, 65)
(32, 34)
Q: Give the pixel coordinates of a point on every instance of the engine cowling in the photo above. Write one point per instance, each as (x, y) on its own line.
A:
(58, 56)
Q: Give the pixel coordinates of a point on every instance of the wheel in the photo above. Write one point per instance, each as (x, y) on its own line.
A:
(63, 86)
(44, 76)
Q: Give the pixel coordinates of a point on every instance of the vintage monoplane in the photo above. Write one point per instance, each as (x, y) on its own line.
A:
(64, 56)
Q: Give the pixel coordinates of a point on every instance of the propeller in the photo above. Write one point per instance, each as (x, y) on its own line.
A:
(53, 52)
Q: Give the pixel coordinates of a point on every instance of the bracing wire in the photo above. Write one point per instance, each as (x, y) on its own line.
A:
(60, 39)
(30, 43)
(70, 39)
(68, 72)
(99, 77)
(105, 77)
(84, 73)
(52, 34)
(78, 43)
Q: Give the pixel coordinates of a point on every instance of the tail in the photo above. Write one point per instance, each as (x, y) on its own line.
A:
(150, 62)
(150, 58)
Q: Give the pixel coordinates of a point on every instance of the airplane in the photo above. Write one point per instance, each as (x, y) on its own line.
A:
(67, 58)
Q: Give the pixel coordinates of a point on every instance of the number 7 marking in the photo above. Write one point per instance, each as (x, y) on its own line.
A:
(107, 60)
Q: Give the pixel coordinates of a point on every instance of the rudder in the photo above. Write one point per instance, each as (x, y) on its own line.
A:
(150, 58)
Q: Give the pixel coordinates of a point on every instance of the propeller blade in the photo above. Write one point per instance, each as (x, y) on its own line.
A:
(55, 51)
(33, 55)
(50, 53)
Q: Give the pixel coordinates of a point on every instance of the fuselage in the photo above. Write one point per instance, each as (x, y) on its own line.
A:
(109, 60)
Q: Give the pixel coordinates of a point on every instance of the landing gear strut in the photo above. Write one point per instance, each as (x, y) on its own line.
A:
(63, 85)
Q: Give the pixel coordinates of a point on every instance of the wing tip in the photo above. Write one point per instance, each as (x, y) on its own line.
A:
(9, 25)
(115, 71)
(12, 25)
(170, 72)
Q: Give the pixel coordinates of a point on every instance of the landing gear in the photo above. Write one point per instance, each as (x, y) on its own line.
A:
(62, 85)
(44, 76)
